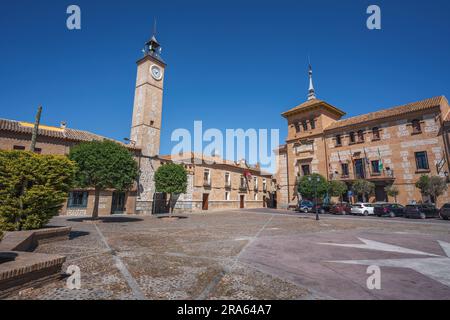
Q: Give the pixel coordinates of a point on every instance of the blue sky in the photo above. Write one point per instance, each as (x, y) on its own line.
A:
(231, 64)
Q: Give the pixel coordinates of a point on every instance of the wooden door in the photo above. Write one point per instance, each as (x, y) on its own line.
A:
(242, 206)
(205, 201)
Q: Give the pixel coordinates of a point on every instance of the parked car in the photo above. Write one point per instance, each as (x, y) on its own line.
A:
(363, 209)
(341, 208)
(321, 208)
(421, 211)
(389, 210)
(305, 206)
(444, 213)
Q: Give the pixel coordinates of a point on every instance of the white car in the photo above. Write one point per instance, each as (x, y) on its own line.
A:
(363, 209)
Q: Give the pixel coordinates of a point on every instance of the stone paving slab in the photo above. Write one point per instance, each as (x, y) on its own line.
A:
(246, 254)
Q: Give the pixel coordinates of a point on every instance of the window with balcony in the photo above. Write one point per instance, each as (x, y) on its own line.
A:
(313, 123)
(255, 183)
(338, 140)
(352, 137)
(227, 196)
(416, 126)
(264, 185)
(345, 171)
(297, 127)
(77, 199)
(376, 167)
(207, 178)
(422, 161)
(375, 134)
(243, 183)
(227, 180)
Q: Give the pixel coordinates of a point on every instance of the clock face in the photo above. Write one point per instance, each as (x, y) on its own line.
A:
(156, 72)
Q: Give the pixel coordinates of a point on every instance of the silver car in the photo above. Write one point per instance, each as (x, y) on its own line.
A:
(362, 209)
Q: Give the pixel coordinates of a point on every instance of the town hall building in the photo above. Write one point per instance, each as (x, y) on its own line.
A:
(394, 146)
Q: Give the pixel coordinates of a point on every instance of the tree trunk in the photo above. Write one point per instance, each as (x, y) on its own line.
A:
(170, 206)
(96, 202)
(35, 129)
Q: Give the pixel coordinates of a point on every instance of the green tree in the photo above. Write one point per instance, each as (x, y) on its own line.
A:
(33, 188)
(364, 188)
(103, 165)
(337, 189)
(171, 178)
(392, 191)
(432, 186)
(307, 185)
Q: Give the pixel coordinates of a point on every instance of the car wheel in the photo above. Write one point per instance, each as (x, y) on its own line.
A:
(305, 210)
(422, 216)
(391, 214)
(366, 213)
(322, 211)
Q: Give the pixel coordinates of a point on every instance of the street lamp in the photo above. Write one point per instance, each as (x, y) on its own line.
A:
(310, 179)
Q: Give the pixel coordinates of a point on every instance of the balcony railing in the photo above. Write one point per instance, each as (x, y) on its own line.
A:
(228, 184)
(207, 183)
(385, 174)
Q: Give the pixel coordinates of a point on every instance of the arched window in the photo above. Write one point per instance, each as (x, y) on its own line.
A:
(305, 126)
(338, 140)
(313, 123)
(416, 126)
(352, 137)
(360, 136)
(375, 133)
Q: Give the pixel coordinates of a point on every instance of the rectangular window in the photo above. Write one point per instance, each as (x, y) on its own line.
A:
(345, 172)
(297, 127)
(255, 197)
(19, 148)
(360, 136)
(38, 150)
(338, 140)
(78, 199)
(206, 178)
(313, 123)
(375, 134)
(376, 166)
(305, 170)
(264, 185)
(227, 196)
(422, 160)
(255, 183)
(243, 184)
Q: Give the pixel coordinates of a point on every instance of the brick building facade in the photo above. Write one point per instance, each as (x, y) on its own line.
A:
(388, 147)
(229, 184)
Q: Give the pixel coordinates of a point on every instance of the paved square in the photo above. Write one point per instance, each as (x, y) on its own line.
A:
(252, 254)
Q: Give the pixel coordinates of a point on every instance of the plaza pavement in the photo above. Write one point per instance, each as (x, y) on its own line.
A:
(252, 254)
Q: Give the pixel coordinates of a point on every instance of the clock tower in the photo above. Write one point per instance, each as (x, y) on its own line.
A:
(147, 111)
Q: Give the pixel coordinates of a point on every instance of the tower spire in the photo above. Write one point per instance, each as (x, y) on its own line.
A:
(152, 46)
(311, 90)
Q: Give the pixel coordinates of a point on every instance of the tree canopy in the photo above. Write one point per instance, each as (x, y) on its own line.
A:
(364, 188)
(432, 186)
(171, 178)
(103, 165)
(33, 188)
(307, 185)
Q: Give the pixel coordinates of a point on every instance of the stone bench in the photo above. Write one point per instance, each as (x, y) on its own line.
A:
(20, 268)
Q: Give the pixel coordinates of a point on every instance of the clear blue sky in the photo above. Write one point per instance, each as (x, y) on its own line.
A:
(232, 64)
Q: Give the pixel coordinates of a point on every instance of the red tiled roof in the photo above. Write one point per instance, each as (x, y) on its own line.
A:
(310, 104)
(396, 111)
(54, 132)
